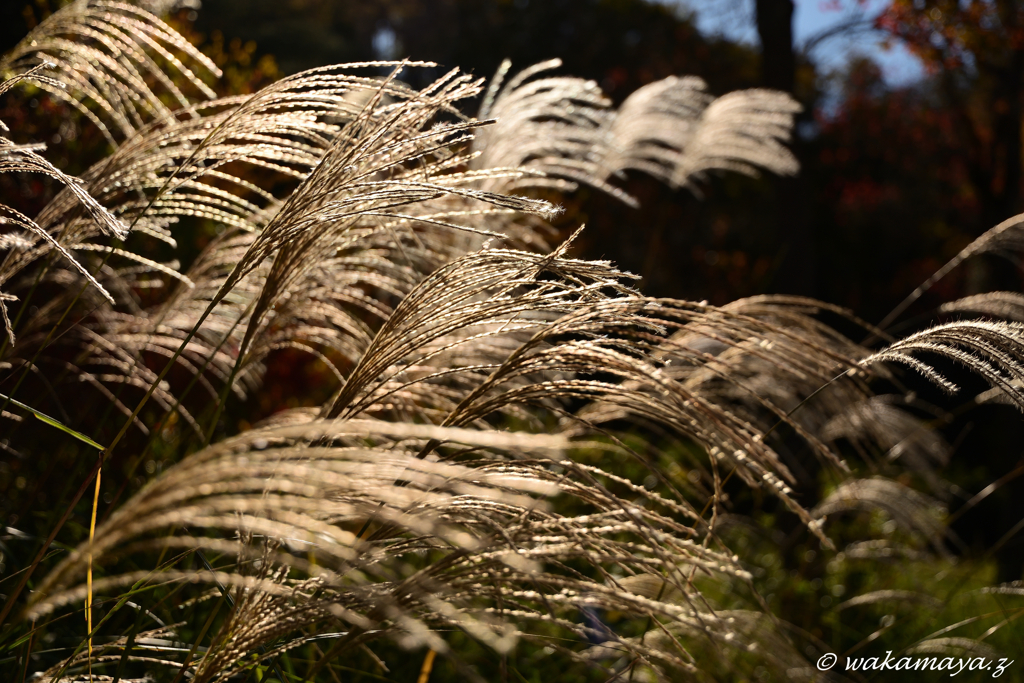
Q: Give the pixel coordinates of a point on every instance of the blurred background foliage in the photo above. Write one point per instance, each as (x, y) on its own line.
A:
(895, 181)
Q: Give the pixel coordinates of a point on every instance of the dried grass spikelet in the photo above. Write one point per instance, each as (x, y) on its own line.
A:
(192, 166)
(645, 392)
(326, 307)
(993, 350)
(715, 642)
(384, 160)
(199, 162)
(753, 354)
(103, 53)
(117, 341)
(23, 159)
(726, 377)
(258, 618)
(1012, 588)
(115, 58)
(108, 348)
(767, 374)
(302, 495)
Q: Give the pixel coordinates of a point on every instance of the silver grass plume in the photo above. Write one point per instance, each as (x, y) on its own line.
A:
(1001, 305)
(196, 165)
(398, 509)
(501, 546)
(554, 126)
(566, 130)
(105, 54)
(24, 159)
(992, 350)
(674, 130)
(714, 367)
(503, 292)
(366, 177)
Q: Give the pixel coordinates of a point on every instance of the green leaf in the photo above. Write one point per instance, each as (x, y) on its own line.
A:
(43, 417)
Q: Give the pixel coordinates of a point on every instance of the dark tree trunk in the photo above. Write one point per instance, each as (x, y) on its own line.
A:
(793, 221)
(775, 29)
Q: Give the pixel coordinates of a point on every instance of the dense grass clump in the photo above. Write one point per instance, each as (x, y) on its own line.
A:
(505, 459)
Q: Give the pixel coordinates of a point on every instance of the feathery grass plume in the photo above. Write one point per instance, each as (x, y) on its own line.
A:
(769, 374)
(305, 495)
(16, 158)
(28, 233)
(675, 131)
(746, 631)
(755, 355)
(173, 168)
(416, 502)
(554, 126)
(384, 160)
(992, 350)
(498, 292)
(158, 647)
(565, 129)
(719, 372)
(23, 159)
(546, 367)
(115, 62)
(107, 350)
(496, 552)
(638, 390)
(221, 160)
(1004, 305)
(258, 617)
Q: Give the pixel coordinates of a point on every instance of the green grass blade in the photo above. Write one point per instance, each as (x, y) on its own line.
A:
(43, 417)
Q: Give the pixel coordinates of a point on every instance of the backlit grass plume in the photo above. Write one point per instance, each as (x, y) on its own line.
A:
(506, 453)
